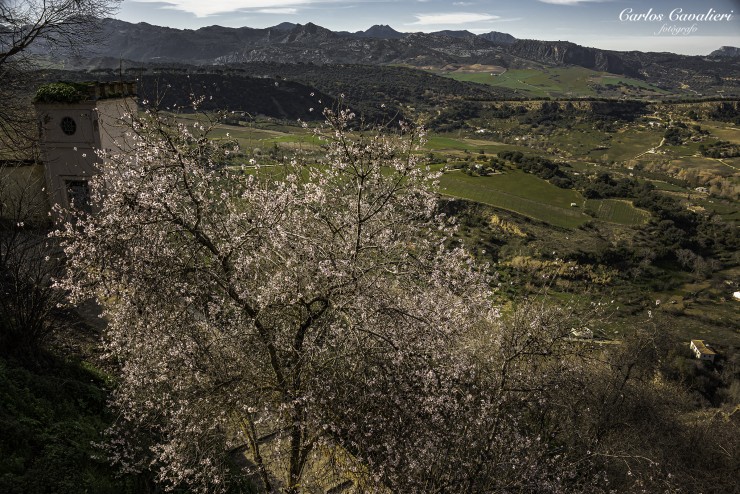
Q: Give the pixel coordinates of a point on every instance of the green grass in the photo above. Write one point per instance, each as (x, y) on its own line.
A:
(723, 130)
(438, 142)
(661, 185)
(700, 163)
(531, 196)
(309, 139)
(456, 145)
(614, 80)
(618, 211)
(728, 210)
(518, 192)
(532, 82)
(243, 133)
(630, 144)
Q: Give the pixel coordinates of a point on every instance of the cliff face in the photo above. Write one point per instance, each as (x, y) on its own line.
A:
(565, 53)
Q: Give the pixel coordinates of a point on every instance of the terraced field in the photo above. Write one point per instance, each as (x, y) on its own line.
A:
(618, 211)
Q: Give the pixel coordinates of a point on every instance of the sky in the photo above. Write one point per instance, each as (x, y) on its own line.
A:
(645, 25)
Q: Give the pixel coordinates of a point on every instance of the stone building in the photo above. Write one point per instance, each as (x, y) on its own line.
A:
(75, 121)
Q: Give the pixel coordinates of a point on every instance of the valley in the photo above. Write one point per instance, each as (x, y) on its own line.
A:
(585, 241)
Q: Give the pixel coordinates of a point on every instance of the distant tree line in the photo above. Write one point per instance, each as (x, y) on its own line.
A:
(720, 149)
(539, 166)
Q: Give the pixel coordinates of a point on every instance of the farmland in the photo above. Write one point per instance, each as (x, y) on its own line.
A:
(558, 82)
(482, 270)
(594, 151)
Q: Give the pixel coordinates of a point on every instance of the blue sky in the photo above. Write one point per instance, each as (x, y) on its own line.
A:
(588, 22)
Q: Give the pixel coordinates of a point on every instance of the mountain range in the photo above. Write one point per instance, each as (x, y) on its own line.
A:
(382, 45)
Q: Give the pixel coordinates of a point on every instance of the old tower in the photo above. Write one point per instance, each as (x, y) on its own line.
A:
(75, 121)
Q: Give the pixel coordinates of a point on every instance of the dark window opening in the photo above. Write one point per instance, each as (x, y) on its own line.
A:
(78, 195)
(69, 126)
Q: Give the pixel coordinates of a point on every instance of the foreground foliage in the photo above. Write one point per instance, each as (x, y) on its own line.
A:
(50, 414)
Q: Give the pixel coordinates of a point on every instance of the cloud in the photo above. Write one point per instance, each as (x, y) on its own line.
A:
(201, 8)
(451, 18)
(572, 2)
(278, 11)
(462, 4)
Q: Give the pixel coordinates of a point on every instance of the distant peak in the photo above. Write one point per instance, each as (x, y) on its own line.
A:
(498, 38)
(382, 31)
(726, 51)
(310, 27)
(284, 26)
(455, 34)
(309, 31)
(381, 27)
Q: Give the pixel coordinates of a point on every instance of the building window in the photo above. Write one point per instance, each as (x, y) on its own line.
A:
(69, 126)
(78, 195)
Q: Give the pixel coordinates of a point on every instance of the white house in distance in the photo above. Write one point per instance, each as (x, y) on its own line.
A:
(76, 120)
(702, 351)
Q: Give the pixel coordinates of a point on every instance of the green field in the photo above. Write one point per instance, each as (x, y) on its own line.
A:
(532, 82)
(472, 145)
(719, 168)
(518, 192)
(438, 143)
(309, 139)
(723, 130)
(662, 185)
(608, 80)
(630, 144)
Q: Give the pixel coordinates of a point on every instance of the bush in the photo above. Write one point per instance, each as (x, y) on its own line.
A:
(28, 306)
(61, 92)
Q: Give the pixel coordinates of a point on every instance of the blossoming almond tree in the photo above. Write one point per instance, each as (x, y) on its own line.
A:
(239, 298)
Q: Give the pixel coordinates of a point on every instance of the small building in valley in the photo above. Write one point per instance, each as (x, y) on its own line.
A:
(702, 351)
